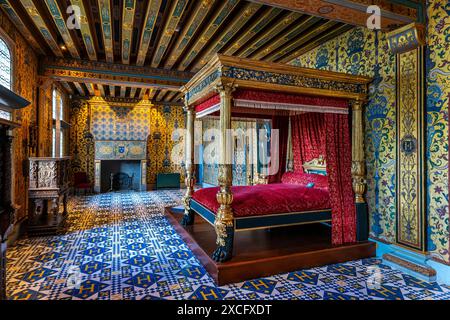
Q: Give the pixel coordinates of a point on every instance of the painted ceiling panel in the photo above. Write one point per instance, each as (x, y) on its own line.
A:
(201, 10)
(207, 34)
(40, 24)
(286, 36)
(129, 7)
(167, 40)
(245, 14)
(11, 12)
(254, 29)
(264, 38)
(60, 22)
(149, 26)
(168, 31)
(85, 30)
(105, 18)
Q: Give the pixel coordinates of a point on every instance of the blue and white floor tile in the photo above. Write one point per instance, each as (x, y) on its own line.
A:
(120, 246)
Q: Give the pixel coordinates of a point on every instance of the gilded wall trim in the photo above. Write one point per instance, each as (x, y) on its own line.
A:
(411, 223)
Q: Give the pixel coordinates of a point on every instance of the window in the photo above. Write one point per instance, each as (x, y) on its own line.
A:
(5, 73)
(59, 125)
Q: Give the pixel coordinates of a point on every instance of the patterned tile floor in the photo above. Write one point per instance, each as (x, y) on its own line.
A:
(120, 246)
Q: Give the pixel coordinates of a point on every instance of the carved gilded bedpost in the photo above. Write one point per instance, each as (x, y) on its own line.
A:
(224, 223)
(359, 170)
(190, 167)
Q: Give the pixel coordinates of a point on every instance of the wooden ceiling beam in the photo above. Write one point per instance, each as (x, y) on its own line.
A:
(286, 36)
(151, 93)
(245, 14)
(147, 33)
(112, 91)
(90, 88)
(79, 88)
(61, 25)
(201, 11)
(265, 36)
(263, 20)
(106, 21)
(123, 91)
(168, 31)
(133, 92)
(85, 30)
(67, 87)
(21, 25)
(324, 28)
(101, 88)
(169, 97)
(220, 16)
(318, 40)
(113, 74)
(36, 16)
(353, 12)
(129, 8)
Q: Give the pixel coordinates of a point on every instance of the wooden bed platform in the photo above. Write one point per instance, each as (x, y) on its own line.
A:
(261, 253)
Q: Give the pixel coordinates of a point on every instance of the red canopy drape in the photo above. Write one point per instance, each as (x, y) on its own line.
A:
(315, 134)
(280, 123)
(308, 138)
(339, 163)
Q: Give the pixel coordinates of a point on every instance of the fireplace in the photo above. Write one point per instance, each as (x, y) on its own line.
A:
(114, 171)
(125, 161)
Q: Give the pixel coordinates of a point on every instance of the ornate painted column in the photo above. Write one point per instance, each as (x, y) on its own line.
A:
(190, 166)
(358, 158)
(224, 223)
(359, 171)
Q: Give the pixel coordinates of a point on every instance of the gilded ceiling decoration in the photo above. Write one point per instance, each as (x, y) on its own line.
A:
(173, 36)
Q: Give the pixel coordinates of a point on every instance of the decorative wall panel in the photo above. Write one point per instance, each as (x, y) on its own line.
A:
(438, 91)
(410, 140)
(25, 81)
(120, 123)
(120, 150)
(244, 151)
(156, 125)
(364, 52)
(361, 51)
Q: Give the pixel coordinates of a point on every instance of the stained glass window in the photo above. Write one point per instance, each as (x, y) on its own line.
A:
(5, 72)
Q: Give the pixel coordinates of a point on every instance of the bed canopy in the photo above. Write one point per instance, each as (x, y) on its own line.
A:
(234, 86)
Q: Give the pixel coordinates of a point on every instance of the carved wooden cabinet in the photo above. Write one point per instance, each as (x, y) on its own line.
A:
(49, 184)
(9, 101)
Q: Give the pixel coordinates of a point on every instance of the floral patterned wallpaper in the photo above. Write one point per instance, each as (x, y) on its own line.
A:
(438, 95)
(25, 81)
(162, 122)
(365, 52)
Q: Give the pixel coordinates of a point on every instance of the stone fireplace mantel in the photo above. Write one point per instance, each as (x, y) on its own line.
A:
(135, 150)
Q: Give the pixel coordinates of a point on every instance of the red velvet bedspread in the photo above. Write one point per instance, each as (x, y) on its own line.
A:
(268, 199)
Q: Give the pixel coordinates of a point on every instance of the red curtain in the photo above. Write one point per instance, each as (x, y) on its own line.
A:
(315, 134)
(283, 97)
(339, 162)
(308, 138)
(207, 103)
(281, 123)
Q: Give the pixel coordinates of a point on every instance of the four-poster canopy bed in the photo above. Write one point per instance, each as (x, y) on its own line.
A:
(327, 186)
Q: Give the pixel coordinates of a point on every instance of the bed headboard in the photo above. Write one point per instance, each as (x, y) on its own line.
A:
(316, 166)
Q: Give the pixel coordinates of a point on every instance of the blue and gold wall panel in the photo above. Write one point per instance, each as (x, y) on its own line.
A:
(126, 129)
(365, 52)
(411, 188)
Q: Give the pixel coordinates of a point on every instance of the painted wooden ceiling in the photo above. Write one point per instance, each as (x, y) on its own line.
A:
(174, 37)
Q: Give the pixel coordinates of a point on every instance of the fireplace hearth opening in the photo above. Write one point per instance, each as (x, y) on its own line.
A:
(120, 175)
